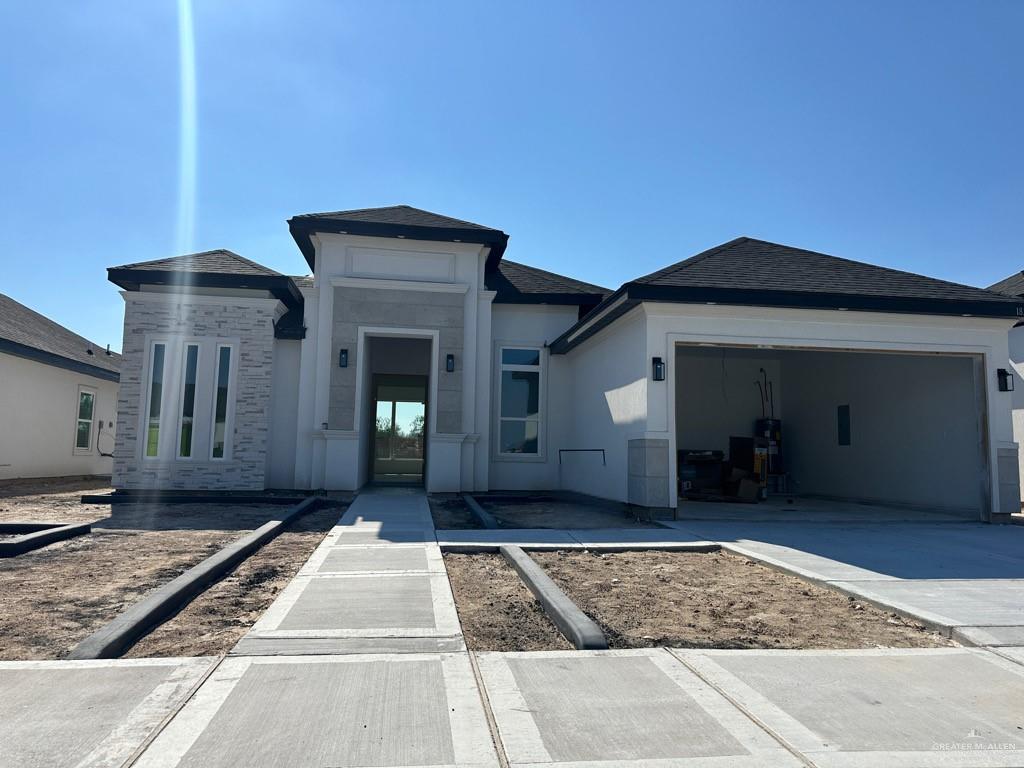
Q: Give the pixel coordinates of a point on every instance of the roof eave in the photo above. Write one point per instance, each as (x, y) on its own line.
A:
(280, 286)
(57, 361)
(302, 229)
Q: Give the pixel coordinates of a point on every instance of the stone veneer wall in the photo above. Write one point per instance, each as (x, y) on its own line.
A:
(382, 307)
(252, 326)
(648, 480)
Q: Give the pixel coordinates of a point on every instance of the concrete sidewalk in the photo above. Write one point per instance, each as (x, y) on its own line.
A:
(964, 578)
(605, 539)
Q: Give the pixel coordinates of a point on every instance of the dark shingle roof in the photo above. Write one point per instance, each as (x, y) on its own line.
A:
(395, 221)
(1011, 286)
(303, 281)
(518, 283)
(216, 262)
(404, 215)
(746, 264)
(27, 333)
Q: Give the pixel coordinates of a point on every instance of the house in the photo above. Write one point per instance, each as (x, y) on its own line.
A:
(58, 396)
(1014, 286)
(417, 353)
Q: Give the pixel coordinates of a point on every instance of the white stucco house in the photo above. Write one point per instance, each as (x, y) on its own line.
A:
(58, 397)
(416, 352)
(1014, 286)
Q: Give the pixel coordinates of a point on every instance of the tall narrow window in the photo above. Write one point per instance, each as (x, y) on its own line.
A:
(220, 402)
(188, 401)
(156, 388)
(519, 429)
(83, 424)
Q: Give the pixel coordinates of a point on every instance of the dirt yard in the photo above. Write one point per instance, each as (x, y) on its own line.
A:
(496, 610)
(213, 622)
(52, 598)
(719, 600)
(51, 500)
(560, 511)
(450, 512)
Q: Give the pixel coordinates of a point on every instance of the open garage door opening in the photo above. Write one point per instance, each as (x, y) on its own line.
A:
(776, 428)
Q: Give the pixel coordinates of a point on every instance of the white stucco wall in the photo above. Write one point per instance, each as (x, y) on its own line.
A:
(284, 408)
(1016, 343)
(533, 325)
(608, 405)
(38, 411)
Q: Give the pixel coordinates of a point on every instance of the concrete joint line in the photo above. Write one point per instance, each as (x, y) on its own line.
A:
(732, 700)
(577, 627)
(485, 517)
(492, 722)
(173, 713)
(160, 604)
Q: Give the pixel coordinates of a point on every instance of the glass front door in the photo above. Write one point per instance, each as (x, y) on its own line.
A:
(400, 406)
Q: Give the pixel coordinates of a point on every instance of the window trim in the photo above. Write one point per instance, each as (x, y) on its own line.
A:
(541, 420)
(147, 393)
(182, 372)
(76, 449)
(229, 407)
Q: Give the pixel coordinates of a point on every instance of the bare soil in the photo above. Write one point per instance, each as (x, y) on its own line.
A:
(719, 600)
(213, 622)
(56, 500)
(52, 598)
(564, 511)
(497, 612)
(450, 512)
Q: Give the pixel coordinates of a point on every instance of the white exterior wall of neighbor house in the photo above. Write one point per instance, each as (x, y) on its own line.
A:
(669, 324)
(532, 326)
(38, 414)
(446, 281)
(245, 323)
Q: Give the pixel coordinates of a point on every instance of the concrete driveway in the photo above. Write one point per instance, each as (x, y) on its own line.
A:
(964, 577)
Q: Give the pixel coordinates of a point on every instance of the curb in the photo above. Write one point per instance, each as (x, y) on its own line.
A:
(41, 537)
(577, 627)
(482, 514)
(112, 640)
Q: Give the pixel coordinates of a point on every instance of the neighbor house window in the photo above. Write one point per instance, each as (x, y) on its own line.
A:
(156, 387)
(519, 427)
(220, 402)
(188, 400)
(83, 424)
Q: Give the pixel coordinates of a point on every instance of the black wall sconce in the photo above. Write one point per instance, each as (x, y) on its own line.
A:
(343, 358)
(1005, 380)
(658, 368)
(449, 363)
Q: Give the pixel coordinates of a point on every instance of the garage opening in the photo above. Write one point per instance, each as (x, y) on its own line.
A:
(771, 427)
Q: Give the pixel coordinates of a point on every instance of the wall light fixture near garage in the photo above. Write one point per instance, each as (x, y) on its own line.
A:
(343, 358)
(1005, 380)
(449, 363)
(658, 369)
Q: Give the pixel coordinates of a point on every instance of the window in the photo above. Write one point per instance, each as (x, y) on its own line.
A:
(188, 400)
(156, 386)
(83, 424)
(220, 402)
(519, 427)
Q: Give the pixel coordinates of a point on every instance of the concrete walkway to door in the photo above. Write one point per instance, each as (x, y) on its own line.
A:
(964, 577)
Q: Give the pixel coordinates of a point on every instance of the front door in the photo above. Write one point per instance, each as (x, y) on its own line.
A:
(399, 445)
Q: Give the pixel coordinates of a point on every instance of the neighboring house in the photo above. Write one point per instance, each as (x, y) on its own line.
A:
(1014, 286)
(58, 395)
(417, 353)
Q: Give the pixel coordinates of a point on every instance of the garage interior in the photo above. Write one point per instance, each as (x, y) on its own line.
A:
(768, 426)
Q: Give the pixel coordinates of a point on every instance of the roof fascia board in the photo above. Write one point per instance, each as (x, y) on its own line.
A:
(57, 361)
(303, 230)
(800, 300)
(281, 286)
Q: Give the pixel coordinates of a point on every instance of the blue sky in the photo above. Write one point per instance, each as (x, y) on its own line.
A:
(608, 140)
